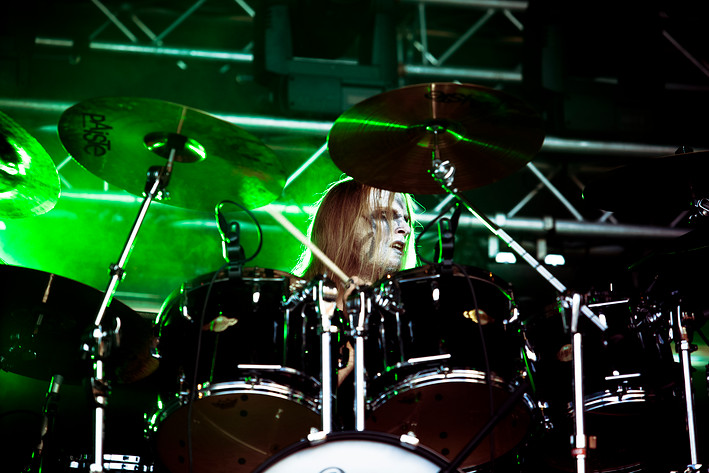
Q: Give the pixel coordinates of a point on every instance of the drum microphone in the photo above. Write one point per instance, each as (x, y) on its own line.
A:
(231, 244)
(48, 412)
(446, 238)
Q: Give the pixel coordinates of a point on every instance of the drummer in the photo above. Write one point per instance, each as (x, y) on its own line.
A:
(366, 232)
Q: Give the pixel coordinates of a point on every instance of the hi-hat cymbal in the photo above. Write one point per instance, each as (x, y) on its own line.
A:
(44, 319)
(669, 182)
(29, 183)
(120, 138)
(387, 141)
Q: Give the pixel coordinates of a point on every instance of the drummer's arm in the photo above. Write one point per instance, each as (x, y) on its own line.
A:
(219, 324)
(344, 372)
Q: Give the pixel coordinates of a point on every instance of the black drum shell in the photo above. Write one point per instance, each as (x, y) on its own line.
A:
(440, 359)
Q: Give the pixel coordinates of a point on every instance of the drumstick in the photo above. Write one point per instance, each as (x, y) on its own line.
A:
(304, 240)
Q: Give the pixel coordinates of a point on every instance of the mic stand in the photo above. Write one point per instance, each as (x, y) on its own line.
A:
(156, 183)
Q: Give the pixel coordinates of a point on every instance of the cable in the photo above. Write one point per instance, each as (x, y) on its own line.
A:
(220, 219)
(486, 358)
(193, 388)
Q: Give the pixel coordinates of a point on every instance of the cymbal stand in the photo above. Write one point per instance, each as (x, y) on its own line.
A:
(684, 347)
(443, 172)
(327, 297)
(579, 450)
(359, 306)
(158, 178)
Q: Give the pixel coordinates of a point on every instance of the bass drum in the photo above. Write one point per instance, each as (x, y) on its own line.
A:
(354, 452)
(442, 354)
(633, 413)
(255, 392)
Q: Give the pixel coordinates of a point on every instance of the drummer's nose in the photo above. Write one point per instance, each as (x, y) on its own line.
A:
(401, 226)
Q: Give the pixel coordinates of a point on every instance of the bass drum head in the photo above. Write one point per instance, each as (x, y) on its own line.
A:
(354, 452)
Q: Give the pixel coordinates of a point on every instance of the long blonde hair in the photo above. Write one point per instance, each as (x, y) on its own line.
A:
(333, 230)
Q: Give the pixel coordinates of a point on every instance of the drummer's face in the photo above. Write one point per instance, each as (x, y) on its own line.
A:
(394, 231)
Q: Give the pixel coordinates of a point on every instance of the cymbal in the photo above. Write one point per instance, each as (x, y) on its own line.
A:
(669, 182)
(120, 138)
(29, 183)
(387, 141)
(44, 319)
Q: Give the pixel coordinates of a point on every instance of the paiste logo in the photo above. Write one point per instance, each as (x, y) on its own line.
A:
(96, 140)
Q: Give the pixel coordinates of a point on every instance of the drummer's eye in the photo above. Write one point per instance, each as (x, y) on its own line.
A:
(382, 215)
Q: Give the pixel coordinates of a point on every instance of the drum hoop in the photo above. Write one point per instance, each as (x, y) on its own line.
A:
(263, 387)
(607, 398)
(431, 271)
(424, 379)
(368, 435)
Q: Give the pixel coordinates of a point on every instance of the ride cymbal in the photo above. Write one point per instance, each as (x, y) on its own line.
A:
(388, 141)
(29, 183)
(668, 182)
(44, 319)
(120, 138)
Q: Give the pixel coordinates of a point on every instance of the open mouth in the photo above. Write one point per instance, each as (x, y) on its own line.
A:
(398, 246)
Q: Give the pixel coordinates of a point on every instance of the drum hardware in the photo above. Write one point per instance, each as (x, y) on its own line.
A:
(156, 183)
(323, 293)
(137, 133)
(356, 452)
(46, 431)
(43, 330)
(679, 319)
(359, 309)
(579, 438)
(438, 137)
(485, 134)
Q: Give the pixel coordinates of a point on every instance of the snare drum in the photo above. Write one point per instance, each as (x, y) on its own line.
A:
(355, 452)
(253, 395)
(442, 355)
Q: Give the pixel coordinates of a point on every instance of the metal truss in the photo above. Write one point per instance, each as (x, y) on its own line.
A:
(418, 58)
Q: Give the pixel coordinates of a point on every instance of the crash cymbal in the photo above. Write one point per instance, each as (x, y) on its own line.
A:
(387, 141)
(44, 319)
(120, 138)
(29, 183)
(667, 182)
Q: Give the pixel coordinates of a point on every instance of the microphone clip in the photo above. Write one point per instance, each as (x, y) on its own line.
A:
(232, 250)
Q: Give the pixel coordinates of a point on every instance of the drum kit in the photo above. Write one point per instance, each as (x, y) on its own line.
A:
(242, 363)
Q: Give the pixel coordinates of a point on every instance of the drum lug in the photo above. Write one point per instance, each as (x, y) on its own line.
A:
(409, 439)
(316, 435)
(542, 406)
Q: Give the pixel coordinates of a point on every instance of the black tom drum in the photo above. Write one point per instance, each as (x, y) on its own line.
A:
(254, 391)
(442, 354)
(632, 413)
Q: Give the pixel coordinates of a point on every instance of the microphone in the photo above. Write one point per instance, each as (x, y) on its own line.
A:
(231, 244)
(48, 412)
(446, 240)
